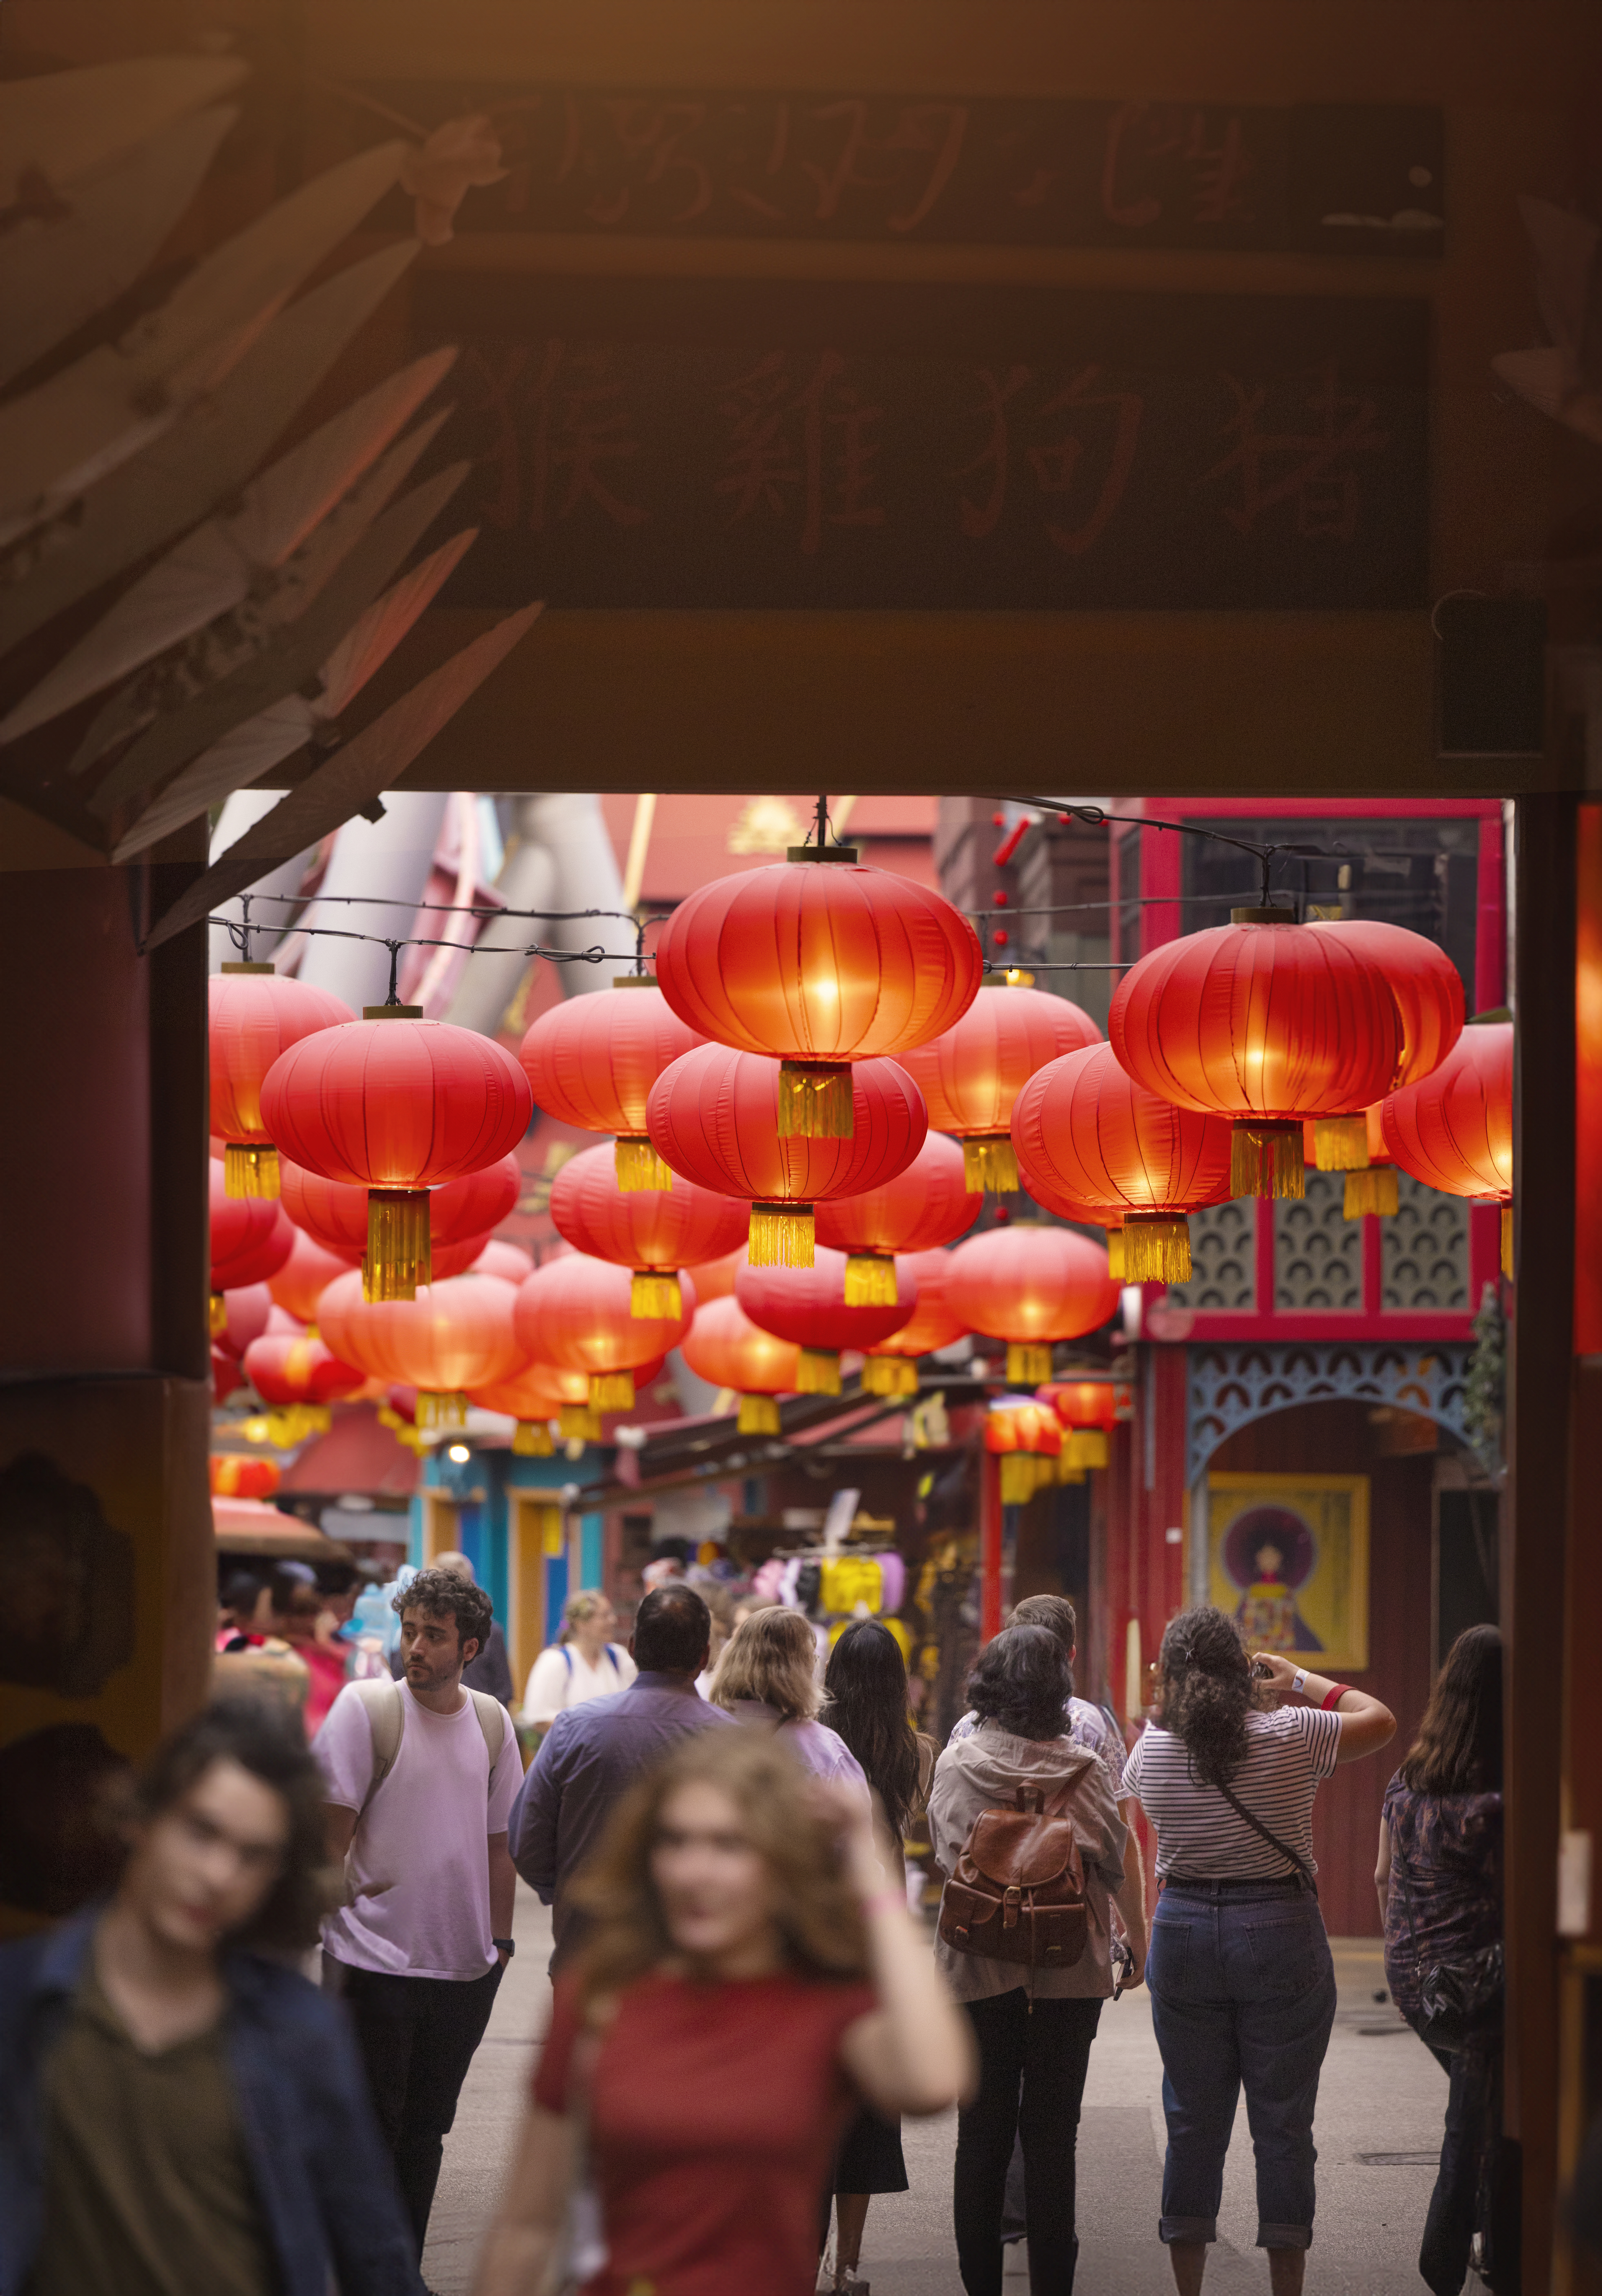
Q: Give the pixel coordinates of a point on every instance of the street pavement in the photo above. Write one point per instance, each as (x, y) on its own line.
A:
(1379, 2131)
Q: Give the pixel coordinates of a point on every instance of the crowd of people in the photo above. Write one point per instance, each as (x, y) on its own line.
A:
(746, 2001)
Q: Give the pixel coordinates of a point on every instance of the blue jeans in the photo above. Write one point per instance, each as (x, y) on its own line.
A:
(1243, 1990)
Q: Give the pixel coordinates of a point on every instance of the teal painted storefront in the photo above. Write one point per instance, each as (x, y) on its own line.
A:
(479, 1486)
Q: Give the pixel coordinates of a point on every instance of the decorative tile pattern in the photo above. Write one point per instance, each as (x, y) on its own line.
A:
(1229, 1387)
(1317, 1251)
(1423, 1251)
(1223, 1251)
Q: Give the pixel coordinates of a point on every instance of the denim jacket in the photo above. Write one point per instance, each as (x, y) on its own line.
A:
(320, 2168)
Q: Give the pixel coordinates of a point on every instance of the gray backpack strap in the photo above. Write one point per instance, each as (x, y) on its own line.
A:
(492, 1722)
(384, 1703)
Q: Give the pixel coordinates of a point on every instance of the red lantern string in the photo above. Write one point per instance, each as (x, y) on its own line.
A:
(1030, 1286)
(254, 1014)
(652, 1233)
(592, 1061)
(808, 1305)
(929, 1204)
(971, 1076)
(577, 1313)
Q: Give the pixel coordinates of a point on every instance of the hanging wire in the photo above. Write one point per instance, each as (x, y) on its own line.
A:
(1095, 816)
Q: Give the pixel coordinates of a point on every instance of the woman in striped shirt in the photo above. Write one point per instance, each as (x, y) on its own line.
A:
(1242, 1985)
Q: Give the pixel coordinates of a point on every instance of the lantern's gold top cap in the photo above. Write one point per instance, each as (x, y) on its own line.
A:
(820, 853)
(392, 1012)
(1262, 916)
(248, 968)
(634, 980)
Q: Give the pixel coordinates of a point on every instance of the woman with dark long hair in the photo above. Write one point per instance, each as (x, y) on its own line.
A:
(1440, 1884)
(1242, 1984)
(865, 1685)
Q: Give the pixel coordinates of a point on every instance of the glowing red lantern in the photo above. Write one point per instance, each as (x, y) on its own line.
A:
(251, 1239)
(713, 1117)
(1089, 1410)
(1030, 1286)
(449, 1337)
(653, 1233)
(226, 1375)
(819, 962)
(461, 1216)
(592, 1061)
(809, 1305)
(1029, 1440)
(245, 1312)
(1454, 1131)
(1428, 990)
(539, 1393)
(890, 1366)
(928, 1204)
(300, 1374)
(714, 1279)
(256, 1013)
(305, 1276)
(970, 1076)
(1265, 1023)
(237, 1475)
(509, 1261)
(1084, 1130)
(577, 1313)
(396, 1105)
(725, 1348)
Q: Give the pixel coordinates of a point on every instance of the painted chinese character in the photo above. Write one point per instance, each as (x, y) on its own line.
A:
(1052, 452)
(581, 425)
(1306, 464)
(1139, 138)
(936, 128)
(809, 448)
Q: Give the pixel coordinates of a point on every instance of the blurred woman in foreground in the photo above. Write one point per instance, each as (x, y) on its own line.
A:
(751, 1976)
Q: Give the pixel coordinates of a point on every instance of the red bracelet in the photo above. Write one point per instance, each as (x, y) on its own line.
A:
(1334, 1696)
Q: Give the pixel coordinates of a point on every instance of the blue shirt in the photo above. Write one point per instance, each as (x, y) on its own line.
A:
(591, 1756)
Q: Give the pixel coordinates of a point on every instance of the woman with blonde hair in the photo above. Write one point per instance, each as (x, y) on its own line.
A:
(586, 1663)
(768, 1678)
(750, 1976)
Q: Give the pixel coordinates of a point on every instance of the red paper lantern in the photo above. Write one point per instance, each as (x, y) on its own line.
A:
(1267, 1024)
(245, 1312)
(592, 1062)
(335, 1214)
(970, 1076)
(888, 1367)
(235, 1475)
(929, 1204)
(1454, 1131)
(226, 1375)
(539, 1393)
(256, 1013)
(1030, 1286)
(819, 962)
(251, 1239)
(476, 1204)
(1089, 1409)
(1086, 1131)
(713, 1117)
(809, 1305)
(652, 1232)
(1029, 1438)
(714, 1279)
(397, 1104)
(449, 1337)
(725, 1348)
(509, 1261)
(299, 1372)
(305, 1276)
(1428, 990)
(576, 1312)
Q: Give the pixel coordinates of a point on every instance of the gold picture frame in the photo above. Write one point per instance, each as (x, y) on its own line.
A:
(1288, 1556)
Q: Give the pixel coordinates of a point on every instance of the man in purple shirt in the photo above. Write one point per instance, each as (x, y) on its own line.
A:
(593, 1753)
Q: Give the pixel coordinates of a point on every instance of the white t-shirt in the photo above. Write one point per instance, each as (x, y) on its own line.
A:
(563, 1676)
(1199, 1834)
(418, 1865)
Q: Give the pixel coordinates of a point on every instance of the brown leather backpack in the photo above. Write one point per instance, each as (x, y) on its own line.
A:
(1018, 1893)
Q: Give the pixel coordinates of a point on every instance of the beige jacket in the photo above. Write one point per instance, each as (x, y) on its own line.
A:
(984, 1771)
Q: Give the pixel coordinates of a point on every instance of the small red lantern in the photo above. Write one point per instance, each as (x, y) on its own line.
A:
(226, 1375)
(1085, 1131)
(396, 1105)
(650, 1232)
(576, 1312)
(1265, 1023)
(889, 1365)
(476, 1204)
(1029, 1440)
(509, 1261)
(1089, 1409)
(592, 1061)
(251, 1239)
(970, 1076)
(245, 1312)
(256, 1013)
(929, 1204)
(299, 1377)
(237, 1475)
(461, 1215)
(1454, 1131)
(725, 1348)
(1428, 990)
(819, 961)
(305, 1276)
(539, 1393)
(714, 1117)
(1030, 1286)
(809, 1305)
(449, 1337)
(714, 1279)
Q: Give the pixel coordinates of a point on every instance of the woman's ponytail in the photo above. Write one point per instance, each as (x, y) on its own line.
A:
(1207, 1691)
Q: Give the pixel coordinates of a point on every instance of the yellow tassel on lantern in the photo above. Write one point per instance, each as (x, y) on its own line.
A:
(402, 1429)
(292, 1423)
(1341, 1144)
(638, 1166)
(216, 1315)
(815, 1101)
(781, 1236)
(1372, 1190)
(577, 1423)
(1507, 1242)
(398, 1258)
(1156, 1249)
(817, 1372)
(531, 1439)
(988, 1161)
(249, 1171)
(1028, 1362)
(870, 1280)
(1084, 1446)
(612, 1390)
(1115, 1254)
(889, 1375)
(441, 1408)
(759, 1415)
(1267, 1159)
(1019, 1480)
(655, 1292)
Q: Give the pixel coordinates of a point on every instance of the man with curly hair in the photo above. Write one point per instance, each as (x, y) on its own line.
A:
(420, 1776)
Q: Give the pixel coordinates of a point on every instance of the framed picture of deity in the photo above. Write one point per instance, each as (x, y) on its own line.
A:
(1288, 1556)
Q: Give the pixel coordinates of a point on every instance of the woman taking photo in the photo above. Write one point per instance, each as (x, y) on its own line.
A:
(865, 1683)
(768, 1678)
(1242, 1987)
(748, 1977)
(1440, 1883)
(1033, 2025)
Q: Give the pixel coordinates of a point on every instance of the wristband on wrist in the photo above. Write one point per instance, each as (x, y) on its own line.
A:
(1337, 1691)
(1298, 1682)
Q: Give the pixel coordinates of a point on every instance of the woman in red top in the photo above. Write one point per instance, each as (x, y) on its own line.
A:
(751, 1977)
